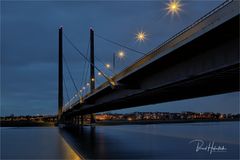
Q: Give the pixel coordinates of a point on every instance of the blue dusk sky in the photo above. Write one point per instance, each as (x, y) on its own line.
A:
(29, 48)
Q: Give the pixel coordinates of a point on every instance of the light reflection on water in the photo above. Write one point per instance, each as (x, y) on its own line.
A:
(69, 153)
(35, 143)
(157, 141)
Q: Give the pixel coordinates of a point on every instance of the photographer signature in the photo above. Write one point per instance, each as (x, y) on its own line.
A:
(208, 147)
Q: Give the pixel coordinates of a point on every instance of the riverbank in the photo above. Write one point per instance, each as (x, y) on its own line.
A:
(107, 123)
(26, 123)
(102, 123)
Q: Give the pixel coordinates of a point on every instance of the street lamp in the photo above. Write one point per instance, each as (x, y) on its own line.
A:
(99, 73)
(141, 36)
(120, 55)
(107, 66)
(173, 7)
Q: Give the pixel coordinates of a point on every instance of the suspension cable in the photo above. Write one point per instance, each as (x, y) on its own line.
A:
(99, 60)
(84, 67)
(65, 86)
(118, 44)
(71, 77)
(74, 46)
(86, 79)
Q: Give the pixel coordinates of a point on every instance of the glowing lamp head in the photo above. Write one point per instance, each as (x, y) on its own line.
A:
(92, 79)
(108, 65)
(120, 54)
(141, 36)
(99, 73)
(173, 7)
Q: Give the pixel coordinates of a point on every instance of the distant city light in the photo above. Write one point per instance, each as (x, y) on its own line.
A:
(108, 65)
(173, 7)
(83, 88)
(88, 84)
(141, 36)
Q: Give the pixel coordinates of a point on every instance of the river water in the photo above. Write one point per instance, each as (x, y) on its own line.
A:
(155, 141)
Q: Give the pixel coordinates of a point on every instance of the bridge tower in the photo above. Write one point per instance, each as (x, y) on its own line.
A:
(92, 73)
(92, 69)
(60, 73)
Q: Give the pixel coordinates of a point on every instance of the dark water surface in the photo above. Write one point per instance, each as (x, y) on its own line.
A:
(156, 141)
(34, 143)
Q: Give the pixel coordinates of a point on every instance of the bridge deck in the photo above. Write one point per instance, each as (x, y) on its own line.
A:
(219, 15)
(200, 28)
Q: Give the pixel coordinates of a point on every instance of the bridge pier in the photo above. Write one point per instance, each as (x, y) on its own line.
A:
(92, 119)
(78, 120)
(82, 120)
(74, 121)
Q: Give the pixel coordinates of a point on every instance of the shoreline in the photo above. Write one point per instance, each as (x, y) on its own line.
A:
(108, 123)
(26, 124)
(142, 122)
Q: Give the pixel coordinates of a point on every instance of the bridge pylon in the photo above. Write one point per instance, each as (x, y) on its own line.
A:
(60, 73)
(92, 68)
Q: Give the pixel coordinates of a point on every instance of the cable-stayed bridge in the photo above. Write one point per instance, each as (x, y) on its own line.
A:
(201, 60)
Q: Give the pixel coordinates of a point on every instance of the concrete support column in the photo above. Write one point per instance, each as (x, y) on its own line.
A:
(82, 120)
(93, 121)
(78, 122)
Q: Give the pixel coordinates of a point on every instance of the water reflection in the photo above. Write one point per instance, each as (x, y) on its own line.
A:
(91, 142)
(69, 153)
(162, 141)
(35, 143)
(152, 141)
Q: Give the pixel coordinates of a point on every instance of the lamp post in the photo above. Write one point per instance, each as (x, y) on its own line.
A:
(120, 55)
